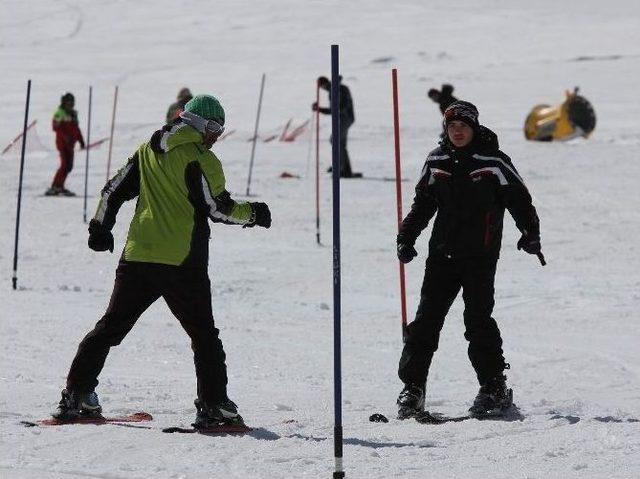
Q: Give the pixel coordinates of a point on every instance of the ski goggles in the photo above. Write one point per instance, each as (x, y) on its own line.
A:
(202, 124)
(214, 127)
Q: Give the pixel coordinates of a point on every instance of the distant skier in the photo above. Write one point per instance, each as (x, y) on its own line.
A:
(347, 118)
(184, 95)
(179, 183)
(467, 182)
(65, 124)
(443, 97)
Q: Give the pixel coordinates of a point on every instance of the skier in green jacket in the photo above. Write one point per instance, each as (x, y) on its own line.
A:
(179, 184)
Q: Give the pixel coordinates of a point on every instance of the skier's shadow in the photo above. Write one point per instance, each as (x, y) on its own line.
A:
(362, 442)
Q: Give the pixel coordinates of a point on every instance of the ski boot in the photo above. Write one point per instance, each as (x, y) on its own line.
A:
(493, 399)
(53, 191)
(74, 405)
(66, 192)
(220, 414)
(410, 401)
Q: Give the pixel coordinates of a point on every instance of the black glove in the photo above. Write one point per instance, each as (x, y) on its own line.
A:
(81, 141)
(262, 215)
(530, 243)
(406, 252)
(314, 106)
(100, 238)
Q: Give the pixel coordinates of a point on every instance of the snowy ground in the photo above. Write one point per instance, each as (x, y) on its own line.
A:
(571, 329)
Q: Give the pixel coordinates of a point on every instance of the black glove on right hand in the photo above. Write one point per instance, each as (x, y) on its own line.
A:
(406, 252)
(100, 238)
(262, 215)
(530, 243)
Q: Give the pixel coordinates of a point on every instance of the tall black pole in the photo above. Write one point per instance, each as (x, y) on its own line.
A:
(255, 133)
(24, 143)
(337, 356)
(86, 162)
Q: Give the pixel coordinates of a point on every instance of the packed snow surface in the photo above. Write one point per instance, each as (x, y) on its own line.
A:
(570, 329)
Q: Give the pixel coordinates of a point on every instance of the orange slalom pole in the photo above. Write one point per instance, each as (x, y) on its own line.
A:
(396, 135)
(113, 122)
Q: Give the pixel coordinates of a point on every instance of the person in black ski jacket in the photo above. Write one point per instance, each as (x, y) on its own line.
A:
(467, 182)
(347, 118)
(443, 97)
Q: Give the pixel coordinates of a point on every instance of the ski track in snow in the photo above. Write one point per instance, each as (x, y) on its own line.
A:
(570, 329)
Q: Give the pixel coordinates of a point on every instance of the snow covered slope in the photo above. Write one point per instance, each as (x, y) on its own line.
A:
(571, 329)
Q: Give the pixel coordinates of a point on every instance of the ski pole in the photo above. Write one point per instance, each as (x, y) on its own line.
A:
(255, 133)
(396, 135)
(317, 163)
(113, 122)
(24, 143)
(337, 356)
(541, 258)
(86, 162)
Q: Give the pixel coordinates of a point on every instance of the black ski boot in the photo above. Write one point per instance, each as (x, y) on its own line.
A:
(493, 399)
(74, 405)
(223, 413)
(411, 401)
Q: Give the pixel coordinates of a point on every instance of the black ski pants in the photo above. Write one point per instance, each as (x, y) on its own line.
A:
(443, 280)
(187, 292)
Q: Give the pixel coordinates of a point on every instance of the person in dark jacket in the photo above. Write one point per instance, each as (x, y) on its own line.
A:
(65, 125)
(467, 182)
(443, 97)
(184, 95)
(347, 118)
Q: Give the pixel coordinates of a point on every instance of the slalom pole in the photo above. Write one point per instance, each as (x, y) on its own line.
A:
(24, 143)
(255, 133)
(113, 122)
(86, 162)
(318, 163)
(337, 356)
(396, 135)
(13, 142)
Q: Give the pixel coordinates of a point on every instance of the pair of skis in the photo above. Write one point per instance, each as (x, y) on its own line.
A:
(143, 417)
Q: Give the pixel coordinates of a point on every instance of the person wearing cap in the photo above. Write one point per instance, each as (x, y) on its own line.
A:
(443, 97)
(467, 183)
(184, 95)
(179, 184)
(65, 125)
(347, 118)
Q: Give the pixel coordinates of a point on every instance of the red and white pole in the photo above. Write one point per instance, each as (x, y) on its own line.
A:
(396, 135)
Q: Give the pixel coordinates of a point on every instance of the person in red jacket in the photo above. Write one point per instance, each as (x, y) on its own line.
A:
(65, 124)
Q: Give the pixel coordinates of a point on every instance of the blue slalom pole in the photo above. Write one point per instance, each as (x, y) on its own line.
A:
(337, 356)
(14, 280)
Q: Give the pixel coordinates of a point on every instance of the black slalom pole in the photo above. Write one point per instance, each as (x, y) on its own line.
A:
(86, 162)
(24, 143)
(255, 134)
(337, 356)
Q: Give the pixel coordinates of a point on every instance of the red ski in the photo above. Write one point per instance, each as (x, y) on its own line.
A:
(135, 417)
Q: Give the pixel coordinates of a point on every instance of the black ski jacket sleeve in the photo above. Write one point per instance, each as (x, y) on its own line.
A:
(124, 186)
(422, 210)
(517, 199)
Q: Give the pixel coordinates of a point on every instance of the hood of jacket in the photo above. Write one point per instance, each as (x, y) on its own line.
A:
(174, 134)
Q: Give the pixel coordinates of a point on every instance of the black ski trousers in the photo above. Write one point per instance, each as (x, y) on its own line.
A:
(187, 292)
(443, 280)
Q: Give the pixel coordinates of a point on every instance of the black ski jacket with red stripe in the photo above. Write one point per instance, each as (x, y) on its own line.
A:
(468, 190)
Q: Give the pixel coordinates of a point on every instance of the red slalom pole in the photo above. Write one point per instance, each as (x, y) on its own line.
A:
(318, 163)
(396, 135)
(113, 122)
